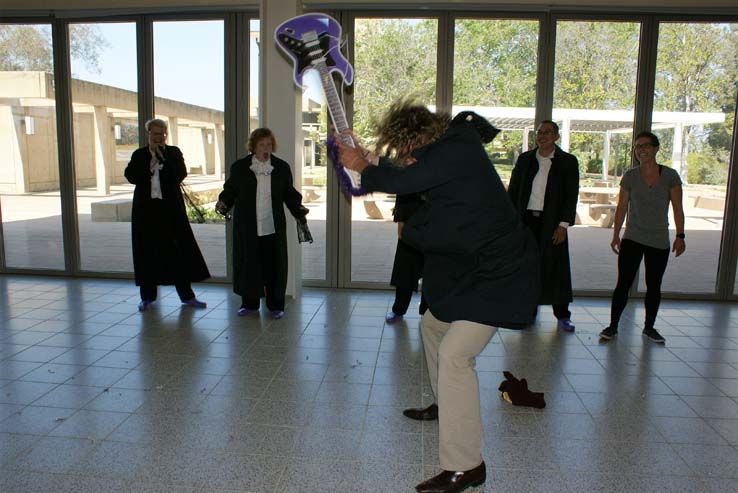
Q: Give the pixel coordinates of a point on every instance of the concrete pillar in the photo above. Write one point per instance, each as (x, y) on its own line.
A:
(103, 140)
(565, 134)
(173, 131)
(526, 143)
(13, 175)
(606, 155)
(676, 151)
(218, 150)
(280, 104)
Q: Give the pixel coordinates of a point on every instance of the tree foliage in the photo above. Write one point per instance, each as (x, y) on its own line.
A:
(29, 47)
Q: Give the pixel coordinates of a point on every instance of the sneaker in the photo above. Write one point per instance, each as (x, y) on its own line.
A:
(566, 325)
(243, 311)
(144, 305)
(654, 335)
(392, 317)
(609, 333)
(277, 314)
(195, 303)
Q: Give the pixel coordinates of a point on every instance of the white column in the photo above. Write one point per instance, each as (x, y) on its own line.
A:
(173, 131)
(565, 131)
(281, 111)
(218, 150)
(676, 151)
(606, 156)
(526, 131)
(104, 167)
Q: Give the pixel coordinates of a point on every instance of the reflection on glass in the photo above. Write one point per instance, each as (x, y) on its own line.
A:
(495, 65)
(315, 168)
(694, 104)
(254, 54)
(393, 58)
(594, 98)
(189, 96)
(29, 166)
(105, 122)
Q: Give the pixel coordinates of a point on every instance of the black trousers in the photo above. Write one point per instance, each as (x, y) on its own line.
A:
(274, 297)
(403, 296)
(184, 290)
(655, 260)
(561, 310)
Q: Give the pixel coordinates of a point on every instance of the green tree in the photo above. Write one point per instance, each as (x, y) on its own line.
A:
(29, 47)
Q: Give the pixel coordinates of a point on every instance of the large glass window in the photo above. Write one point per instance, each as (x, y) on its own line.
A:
(105, 103)
(189, 96)
(393, 58)
(594, 99)
(29, 164)
(495, 64)
(694, 107)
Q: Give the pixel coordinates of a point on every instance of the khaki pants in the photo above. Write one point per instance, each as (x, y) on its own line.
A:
(450, 353)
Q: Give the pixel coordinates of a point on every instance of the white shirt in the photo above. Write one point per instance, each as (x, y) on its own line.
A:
(155, 166)
(264, 216)
(538, 191)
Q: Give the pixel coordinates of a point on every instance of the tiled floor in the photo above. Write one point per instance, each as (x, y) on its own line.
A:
(95, 396)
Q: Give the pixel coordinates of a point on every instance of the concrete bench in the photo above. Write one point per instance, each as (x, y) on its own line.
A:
(309, 194)
(712, 203)
(604, 213)
(116, 210)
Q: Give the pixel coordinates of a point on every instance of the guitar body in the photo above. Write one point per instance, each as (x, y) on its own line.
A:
(313, 41)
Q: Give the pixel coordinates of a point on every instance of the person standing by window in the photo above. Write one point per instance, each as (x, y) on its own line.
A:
(259, 187)
(544, 187)
(645, 193)
(165, 251)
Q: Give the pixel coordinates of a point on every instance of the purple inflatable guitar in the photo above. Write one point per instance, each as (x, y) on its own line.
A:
(313, 41)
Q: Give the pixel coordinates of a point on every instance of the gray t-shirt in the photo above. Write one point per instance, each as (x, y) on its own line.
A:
(648, 222)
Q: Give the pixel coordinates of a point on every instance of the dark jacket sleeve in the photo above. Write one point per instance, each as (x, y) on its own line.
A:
(405, 207)
(435, 166)
(174, 169)
(293, 198)
(230, 187)
(516, 180)
(137, 171)
(571, 190)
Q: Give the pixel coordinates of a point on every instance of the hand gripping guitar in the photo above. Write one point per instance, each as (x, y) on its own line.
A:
(313, 41)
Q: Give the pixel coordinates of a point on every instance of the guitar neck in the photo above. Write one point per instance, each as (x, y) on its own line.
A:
(335, 107)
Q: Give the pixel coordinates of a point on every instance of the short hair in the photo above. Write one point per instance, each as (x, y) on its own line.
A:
(408, 124)
(156, 122)
(553, 124)
(651, 136)
(257, 135)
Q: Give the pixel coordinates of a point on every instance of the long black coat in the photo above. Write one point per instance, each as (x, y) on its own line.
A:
(164, 249)
(560, 204)
(480, 260)
(239, 191)
(407, 268)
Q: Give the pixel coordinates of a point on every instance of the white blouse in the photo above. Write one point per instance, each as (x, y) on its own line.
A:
(154, 167)
(264, 216)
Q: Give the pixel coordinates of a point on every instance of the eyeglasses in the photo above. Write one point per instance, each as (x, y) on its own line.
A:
(638, 147)
(545, 132)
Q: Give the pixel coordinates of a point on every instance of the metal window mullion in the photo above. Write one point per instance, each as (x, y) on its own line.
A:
(65, 145)
(145, 58)
(445, 63)
(729, 244)
(545, 68)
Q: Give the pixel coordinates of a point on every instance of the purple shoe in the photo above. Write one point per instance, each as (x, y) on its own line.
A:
(566, 325)
(392, 317)
(243, 311)
(195, 303)
(144, 305)
(277, 314)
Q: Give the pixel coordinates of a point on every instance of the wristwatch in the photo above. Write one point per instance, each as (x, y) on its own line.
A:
(681, 235)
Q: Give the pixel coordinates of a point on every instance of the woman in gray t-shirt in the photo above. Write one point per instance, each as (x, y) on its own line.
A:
(645, 192)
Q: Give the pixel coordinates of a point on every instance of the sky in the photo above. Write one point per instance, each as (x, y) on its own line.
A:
(188, 61)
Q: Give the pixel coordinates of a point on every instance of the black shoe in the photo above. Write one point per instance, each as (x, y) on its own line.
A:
(654, 335)
(608, 333)
(430, 413)
(454, 481)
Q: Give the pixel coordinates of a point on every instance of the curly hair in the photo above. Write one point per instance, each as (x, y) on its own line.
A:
(257, 135)
(406, 126)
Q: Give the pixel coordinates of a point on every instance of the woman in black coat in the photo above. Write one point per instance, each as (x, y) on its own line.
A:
(481, 265)
(165, 251)
(258, 186)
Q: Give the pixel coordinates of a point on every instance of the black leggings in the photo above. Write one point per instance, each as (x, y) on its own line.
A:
(629, 259)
